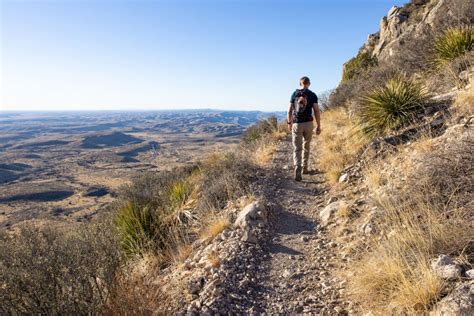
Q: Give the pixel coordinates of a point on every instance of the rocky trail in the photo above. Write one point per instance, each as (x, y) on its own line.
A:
(297, 269)
(299, 255)
(278, 259)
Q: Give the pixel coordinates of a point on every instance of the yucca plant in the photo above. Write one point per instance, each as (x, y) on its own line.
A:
(137, 227)
(391, 106)
(451, 44)
(179, 192)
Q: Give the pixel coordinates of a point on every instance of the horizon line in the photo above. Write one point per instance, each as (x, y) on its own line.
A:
(137, 110)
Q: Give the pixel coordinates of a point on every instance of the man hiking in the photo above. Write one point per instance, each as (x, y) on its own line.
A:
(303, 104)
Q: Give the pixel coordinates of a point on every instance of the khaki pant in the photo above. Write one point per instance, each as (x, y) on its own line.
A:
(301, 136)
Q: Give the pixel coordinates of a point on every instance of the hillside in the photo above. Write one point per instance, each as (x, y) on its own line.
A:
(382, 225)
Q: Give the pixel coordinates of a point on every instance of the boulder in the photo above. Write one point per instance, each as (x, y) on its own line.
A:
(446, 268)
(328, 212)
(251, 215)
(459, 302)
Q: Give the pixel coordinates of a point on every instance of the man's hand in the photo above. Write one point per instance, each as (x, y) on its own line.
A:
(290, 126)
(318, 130)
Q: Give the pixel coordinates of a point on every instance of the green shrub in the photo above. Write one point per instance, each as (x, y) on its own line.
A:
(356, 65)
(390, 106)
(138, 228)
(260, 129)
(451, 44)
(47, 271)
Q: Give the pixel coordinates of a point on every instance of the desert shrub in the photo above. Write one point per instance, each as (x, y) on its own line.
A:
(391, 106)
(451, 44)
(357, 65)
(323, 99)
(152, 188)
(447, 173)
(260, 129)
(50, 271)
(224, 179)
(348, 92)
(148, 214)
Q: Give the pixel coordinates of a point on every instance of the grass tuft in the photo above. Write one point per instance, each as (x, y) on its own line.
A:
(215, 228)
(137, 227)
(390, 107)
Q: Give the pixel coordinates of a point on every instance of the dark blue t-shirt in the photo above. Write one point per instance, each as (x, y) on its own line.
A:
(307, 114)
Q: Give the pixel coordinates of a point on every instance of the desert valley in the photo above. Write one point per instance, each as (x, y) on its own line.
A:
(67, 166)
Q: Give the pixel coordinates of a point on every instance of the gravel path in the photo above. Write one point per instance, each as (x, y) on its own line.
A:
(299, 256)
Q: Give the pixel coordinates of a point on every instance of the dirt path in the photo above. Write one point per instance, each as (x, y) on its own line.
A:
(299, 260)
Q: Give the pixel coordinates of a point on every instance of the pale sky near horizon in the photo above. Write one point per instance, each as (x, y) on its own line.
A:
(164, 54)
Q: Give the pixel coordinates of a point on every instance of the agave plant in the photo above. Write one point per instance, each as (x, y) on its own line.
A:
(451, 44)
(391, 106)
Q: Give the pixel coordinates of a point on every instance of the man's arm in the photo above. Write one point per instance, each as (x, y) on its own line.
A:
(317, 114)
(289, 116)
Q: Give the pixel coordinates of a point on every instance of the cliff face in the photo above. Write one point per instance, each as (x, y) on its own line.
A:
(414, 21)
(404, 30)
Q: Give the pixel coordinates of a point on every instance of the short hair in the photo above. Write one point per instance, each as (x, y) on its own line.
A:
(305, 80)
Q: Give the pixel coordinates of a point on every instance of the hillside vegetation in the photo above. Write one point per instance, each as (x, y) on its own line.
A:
(398, 150)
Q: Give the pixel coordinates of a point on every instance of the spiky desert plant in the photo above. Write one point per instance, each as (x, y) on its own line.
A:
(137, 228)
(452, 43)
(391, 106)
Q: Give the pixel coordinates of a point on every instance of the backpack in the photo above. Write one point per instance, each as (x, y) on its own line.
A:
(300, 104)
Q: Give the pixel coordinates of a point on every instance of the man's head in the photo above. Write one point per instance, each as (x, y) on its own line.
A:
(304, 82)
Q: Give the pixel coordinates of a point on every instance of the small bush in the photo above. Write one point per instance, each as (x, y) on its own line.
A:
(357, 65)
(451, 44)
(48, 271)
(390, 107)
(260, 129)
(225, 178)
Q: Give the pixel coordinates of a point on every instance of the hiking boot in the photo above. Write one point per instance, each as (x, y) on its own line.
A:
(298, 174)
(306, 170)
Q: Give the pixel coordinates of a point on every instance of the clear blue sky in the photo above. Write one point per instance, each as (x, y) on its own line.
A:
(113, 54)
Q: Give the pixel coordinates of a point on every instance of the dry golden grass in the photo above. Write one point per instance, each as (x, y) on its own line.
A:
(264, 152)
(215, 228)
(338, 144)
(396, 276)
(214, 260)
(464, 104)
(424, 192)
(373, 177)
(181, 253)
(344, 211)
